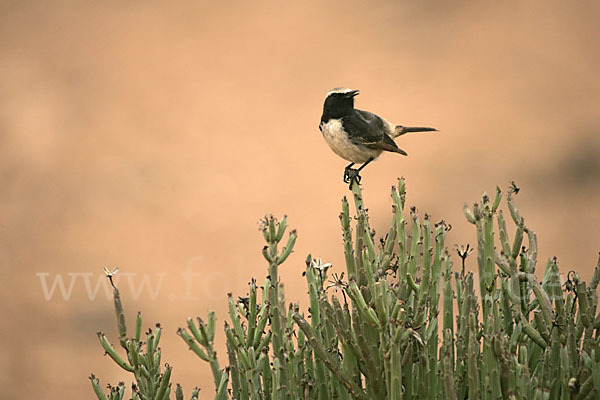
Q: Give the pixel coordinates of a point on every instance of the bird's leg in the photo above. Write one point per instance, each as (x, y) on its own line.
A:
(354, 174)
(365, 164)
(347, 173)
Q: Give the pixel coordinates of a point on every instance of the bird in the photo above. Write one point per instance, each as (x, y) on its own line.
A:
(358, 136)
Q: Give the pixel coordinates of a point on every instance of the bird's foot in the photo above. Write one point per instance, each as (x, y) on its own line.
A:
(347, 174)
(350, 175)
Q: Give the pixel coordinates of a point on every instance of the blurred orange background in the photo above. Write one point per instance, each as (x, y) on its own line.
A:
(153, 135)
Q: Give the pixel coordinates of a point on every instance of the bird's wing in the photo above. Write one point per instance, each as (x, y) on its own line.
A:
(369, 130)
(364, 127)
(369, 116)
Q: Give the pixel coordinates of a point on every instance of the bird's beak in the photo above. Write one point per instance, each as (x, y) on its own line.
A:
(353, 93)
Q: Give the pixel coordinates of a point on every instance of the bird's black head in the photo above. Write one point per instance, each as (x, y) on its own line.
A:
(338, 103)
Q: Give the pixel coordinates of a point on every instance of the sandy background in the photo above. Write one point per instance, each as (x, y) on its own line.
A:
(152, 136)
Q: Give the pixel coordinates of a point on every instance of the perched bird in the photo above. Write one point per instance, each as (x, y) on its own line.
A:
(358, 136)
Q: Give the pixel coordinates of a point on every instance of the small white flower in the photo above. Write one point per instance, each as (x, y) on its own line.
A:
(110, 273)
(263, 223)
(317, 264)
(464, 251)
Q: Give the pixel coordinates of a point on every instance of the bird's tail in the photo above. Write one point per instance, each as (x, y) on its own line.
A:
(400, 130)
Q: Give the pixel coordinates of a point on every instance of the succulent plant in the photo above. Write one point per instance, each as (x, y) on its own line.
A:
(379, 334)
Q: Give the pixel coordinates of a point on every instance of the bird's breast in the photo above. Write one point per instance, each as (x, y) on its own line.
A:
(337, 139)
